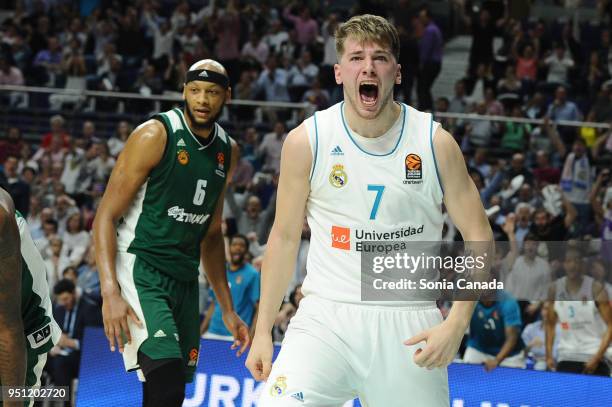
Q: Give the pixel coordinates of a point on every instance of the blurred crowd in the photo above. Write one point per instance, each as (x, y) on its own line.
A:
(544, 182)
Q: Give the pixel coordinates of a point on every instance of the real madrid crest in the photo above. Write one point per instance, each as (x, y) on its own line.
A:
(279, 386)
(338, 177)
(183, 157)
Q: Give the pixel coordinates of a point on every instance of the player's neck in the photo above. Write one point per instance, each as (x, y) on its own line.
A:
(374, 127)
(202, 133)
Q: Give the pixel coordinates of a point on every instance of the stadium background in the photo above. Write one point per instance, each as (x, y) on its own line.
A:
(76, 77)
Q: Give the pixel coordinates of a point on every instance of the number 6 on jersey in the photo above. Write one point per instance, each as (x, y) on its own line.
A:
(200, 192)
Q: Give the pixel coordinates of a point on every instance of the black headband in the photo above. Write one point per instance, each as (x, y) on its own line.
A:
(207, 76)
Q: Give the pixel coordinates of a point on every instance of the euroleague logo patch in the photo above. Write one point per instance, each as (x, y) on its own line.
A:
(183, 157)
(338, 177)
(279, 387)
(414, 169)
(193, 357)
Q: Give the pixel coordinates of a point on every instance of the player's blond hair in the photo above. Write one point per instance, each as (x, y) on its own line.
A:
(368, 28)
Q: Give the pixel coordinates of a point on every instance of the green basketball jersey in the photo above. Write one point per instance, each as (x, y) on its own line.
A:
(41, 330)
(172, 210)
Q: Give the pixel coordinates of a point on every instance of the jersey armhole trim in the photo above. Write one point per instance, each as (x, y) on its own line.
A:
(160, 119)
(433, 153)
(316, 148)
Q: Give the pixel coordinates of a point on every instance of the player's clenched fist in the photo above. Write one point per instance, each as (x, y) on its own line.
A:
(259, 361)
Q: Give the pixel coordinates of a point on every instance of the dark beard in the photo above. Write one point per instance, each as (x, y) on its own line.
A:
(202, 126)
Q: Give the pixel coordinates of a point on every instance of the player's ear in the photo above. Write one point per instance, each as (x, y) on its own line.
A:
(337, 75)
(228, 94)
(398, 75)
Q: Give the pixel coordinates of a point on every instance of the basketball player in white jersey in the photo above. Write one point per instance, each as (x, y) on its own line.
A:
(581, 306)
(368, 164)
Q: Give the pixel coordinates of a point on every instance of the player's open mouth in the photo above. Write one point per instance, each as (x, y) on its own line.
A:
(202, 112)
(368, 93)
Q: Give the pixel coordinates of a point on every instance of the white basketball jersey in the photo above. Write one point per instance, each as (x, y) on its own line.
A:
(360, 193)
(582, 327)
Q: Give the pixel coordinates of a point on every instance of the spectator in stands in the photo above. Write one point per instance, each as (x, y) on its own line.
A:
(483, 30)
(509, 83)
(534, 337)
(57, 124)
(12, 145)
(75, 242)
(163, 37)
(523, 212)
(305, 26)
(48, 228)
(88, 278)
(601, 273)
(49, 63)
(52, 261)
(515, 135)
(244, 283)
(535, 107)
(483, 80)
(593, 75)
(190, 41)
(255, 52)
(118, 140)
(105, 57)
(74, 163)
(478, 132)
(269, 151)
(601, 204)
(494, 338)
(301, 76)
(103, 164)
(576, 179)
(580, 305)
(559, 65)
(547, 138)
(19, 190)
(12, 76)
(73, 313)
(55, 152)
(529, 274)
(130, 38)
(545, 173)
(252, 218)
(494, 107)
(317, 96)
(563, 109)
(459, 103)
(227, 31)
(526, 66)
(430, 59)
(277, 36)
(602, 148)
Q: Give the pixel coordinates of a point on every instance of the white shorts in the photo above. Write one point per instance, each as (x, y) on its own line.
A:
(477, 357)
(334, 352)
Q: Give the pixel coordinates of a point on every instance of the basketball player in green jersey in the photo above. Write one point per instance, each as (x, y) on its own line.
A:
(161, 214)
(27, 328)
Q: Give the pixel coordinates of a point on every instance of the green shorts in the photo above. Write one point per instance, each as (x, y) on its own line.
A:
(36, 361)
(168, 309)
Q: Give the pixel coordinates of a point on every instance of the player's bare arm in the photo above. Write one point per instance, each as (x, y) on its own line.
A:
(465, 208)
(212, 252)
(12, 340)
(603, 305)
(512, 336)
(283, 243)
(549, 327)
(143, 151)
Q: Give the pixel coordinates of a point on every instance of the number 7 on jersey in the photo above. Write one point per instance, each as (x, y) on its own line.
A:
(379, 192)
